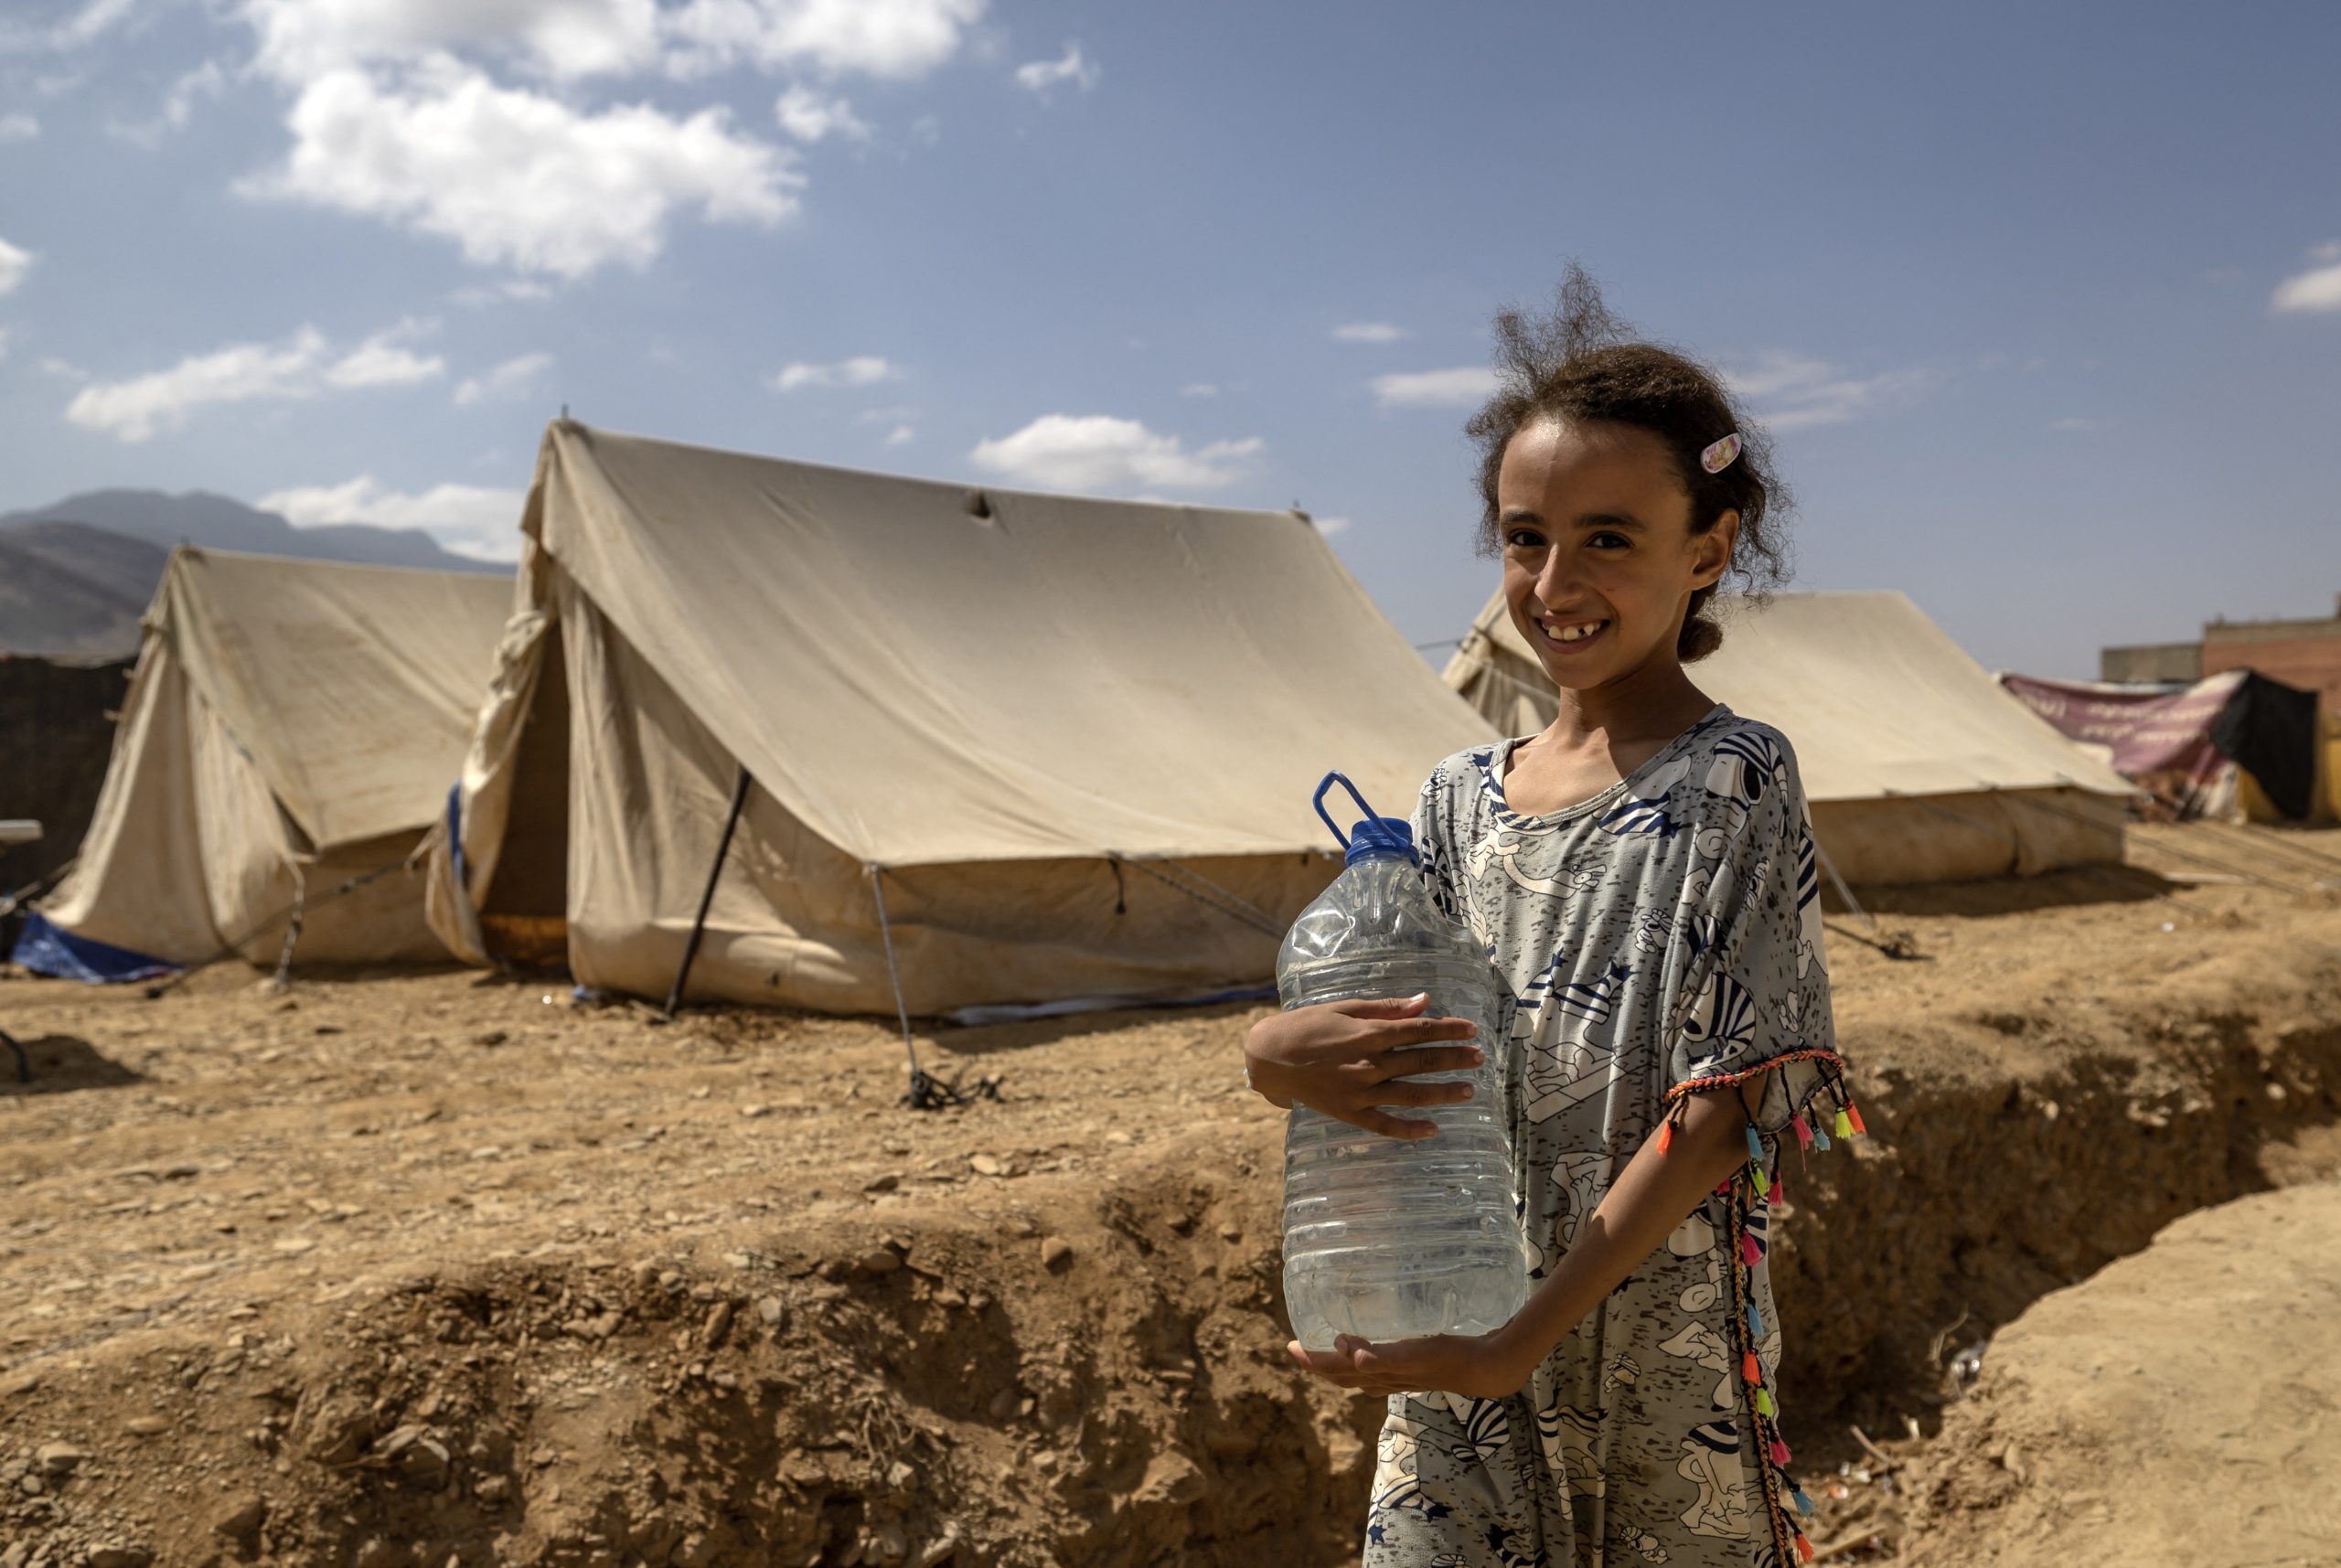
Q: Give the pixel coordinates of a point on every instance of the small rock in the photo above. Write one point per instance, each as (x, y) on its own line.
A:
(492, 1488)
(719, 1323)
(899, 1475)
(878, 1260)
(58, 1459)
(1231, 1232)
(984, 1165)
(490, 1037)
(146, 1426)
(1003, 1403)
(239, 1519)
(756, 1110)
(120, 1556)
(738, 1260)
(885, 1183)
(1056, 1253)
(1117, 1136)
(888, 1544)
(338, 1432)
(771, 1311)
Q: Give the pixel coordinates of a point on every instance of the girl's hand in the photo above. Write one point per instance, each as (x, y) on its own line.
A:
(1346, 1058)
(1485, 1366)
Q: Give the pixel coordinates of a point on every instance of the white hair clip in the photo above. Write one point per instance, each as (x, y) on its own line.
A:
(1722, 454)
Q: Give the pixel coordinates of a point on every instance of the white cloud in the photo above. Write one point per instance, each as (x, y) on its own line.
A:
(1098, 453)
(901, 435)
(1328, 526)
(862, 370)
(134, 409)
(899, 39)
(209, 80)
(85, 27)
(1793, 392)
(1368, 332)
(382, 361)
(810, 116)
(1457, 387)
(18, 128)
(520, 179)
(1039, 75)
(469, 520)
(301, 366)
(302, 39)
(14, 265)
(2318, 289)
(510, 382)
(1199, 389)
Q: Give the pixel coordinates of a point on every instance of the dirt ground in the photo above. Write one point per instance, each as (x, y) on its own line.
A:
(421, 1269)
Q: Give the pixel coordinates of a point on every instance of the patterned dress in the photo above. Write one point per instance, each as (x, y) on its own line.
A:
(1661, 940)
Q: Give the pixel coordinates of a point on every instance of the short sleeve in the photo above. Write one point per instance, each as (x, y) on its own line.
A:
(1434, 844)
(1753, 1001)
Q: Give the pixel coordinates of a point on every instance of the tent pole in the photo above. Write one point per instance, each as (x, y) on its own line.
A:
(707, 895)
(918, 1096)
(284, 976)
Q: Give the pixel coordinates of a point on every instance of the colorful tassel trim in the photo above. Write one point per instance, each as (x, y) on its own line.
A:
(1803, 1503)
(1854, 1115)
(1820, 1140)
(1665, 1137)
(1780, 1454)
(1764, 1401)
(1751, 1369)
(1803, 1130)
(1754, 1320)
(1845, 1127)
(1755, 1145)
(1749, 1249)
(1763, 1184)
(1780, 1193)
(1803, 1547)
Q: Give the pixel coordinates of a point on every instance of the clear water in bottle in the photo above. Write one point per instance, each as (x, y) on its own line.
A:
(1393, 1238)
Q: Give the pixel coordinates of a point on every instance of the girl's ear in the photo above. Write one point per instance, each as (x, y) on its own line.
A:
(1711, 551)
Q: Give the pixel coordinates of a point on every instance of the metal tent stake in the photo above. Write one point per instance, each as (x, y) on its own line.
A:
(707, 896)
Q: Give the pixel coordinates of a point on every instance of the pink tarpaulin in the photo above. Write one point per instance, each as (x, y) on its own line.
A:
(2160, 739)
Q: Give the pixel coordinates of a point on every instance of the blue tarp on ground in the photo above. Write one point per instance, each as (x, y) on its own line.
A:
(47, 949)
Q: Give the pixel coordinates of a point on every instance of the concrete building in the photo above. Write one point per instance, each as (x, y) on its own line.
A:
(2305, 654)
(2152, 662)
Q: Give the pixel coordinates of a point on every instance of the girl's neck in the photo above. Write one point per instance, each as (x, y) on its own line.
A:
(1650, 706)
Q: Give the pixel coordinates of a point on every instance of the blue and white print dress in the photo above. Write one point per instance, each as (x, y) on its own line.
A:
(1661, 940)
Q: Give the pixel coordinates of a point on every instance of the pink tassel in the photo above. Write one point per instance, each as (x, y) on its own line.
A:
(1780, 1454)
(1803, 1131)
(1749, 1249)
(1779, 1188)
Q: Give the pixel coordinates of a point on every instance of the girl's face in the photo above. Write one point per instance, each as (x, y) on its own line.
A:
(1599, 561)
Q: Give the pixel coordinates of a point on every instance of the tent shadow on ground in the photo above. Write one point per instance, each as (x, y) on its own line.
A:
(992, 1039)
(2008, 895)
(61, 1064)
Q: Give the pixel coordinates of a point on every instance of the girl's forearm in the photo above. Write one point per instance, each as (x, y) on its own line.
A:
(1651, 1197)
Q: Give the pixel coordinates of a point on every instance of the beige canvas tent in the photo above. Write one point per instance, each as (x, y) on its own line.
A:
(1920, 767)
(290, 724)
(1044, 746)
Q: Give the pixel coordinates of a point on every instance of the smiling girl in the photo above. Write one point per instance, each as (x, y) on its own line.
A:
(1643, 874)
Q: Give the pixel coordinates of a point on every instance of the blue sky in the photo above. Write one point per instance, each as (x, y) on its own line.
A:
(2042, 303)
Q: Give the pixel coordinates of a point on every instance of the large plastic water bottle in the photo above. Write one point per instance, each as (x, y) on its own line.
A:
(1391, 1238)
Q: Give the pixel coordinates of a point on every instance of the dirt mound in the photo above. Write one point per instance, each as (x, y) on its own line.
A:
(2177, 1409)
(421, 1268)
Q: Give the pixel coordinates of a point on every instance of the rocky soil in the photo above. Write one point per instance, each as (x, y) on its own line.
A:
(423, 1269)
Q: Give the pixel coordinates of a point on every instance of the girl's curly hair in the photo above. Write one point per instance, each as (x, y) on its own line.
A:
(1579, 363)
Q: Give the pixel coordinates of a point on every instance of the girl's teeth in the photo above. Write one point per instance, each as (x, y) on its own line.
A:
(1576, 633)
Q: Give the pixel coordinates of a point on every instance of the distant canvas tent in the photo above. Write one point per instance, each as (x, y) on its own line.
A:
(1027, 748)
(290, 724)
(1920, 768)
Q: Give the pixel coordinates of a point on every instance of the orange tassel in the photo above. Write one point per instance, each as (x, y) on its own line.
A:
(1803, 1547)
(1854, 1115)
(1665, 1137)
(1751, 1369)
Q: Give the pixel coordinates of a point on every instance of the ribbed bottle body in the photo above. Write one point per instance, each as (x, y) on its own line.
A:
(1393, 1238)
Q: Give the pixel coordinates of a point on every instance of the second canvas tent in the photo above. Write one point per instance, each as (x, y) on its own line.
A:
(1041, 747)
(1920, 768)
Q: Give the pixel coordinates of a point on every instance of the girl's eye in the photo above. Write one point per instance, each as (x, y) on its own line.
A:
(1524, 539)
(1605, 540)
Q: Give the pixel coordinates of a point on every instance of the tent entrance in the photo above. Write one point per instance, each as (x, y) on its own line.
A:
(525, 917)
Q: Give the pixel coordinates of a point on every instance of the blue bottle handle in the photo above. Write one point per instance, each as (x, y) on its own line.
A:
(1322, 789)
